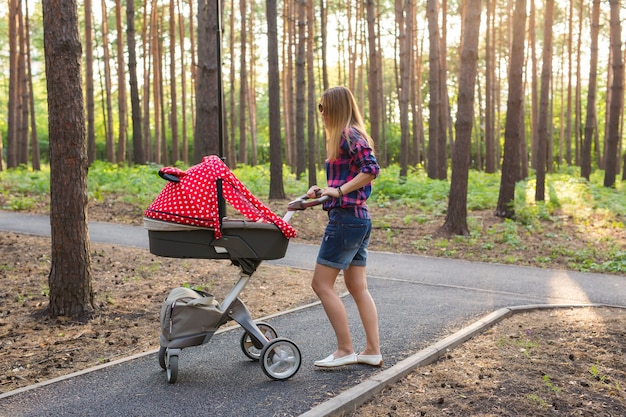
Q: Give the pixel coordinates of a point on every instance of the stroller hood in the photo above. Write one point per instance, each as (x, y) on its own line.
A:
(191, 197)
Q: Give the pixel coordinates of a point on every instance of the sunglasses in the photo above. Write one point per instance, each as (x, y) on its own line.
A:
(320, 108)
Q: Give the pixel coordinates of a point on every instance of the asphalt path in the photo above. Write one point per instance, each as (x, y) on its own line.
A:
(421, 301)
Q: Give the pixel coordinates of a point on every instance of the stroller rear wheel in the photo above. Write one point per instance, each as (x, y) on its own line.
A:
(253, 350)
(162, 353)
(280, 359)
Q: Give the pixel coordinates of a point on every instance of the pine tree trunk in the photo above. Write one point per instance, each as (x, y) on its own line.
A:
(71, 292)
(456, 217)
(617, 94)
(544, 102)
(108, 114)
(590, 123)
(91, 112)
(510, 164)
(138, 154)
(276, 159)
(434, 105)
(121, 85)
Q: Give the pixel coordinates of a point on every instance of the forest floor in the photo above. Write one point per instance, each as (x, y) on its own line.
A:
(559, 362)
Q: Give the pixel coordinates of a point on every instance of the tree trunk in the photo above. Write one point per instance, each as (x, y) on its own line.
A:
(544, 102)
(231, 159)
(590, 122)
(13, 86)
(490, 149)
(183, 81)
(252, 105)
(578, 105)
(34, 142)
(570, 65)
(404, 85)
(287, 83)
(277, 190)
(434, 105)
(156, 82)
(300, 89)
(208, 132)
(121, 85)
(108, 113)
(173, 81)
(311, 96)
(534, 111)
(22, 137)
(147, 57)
(617, 93)
(89, 87)
(71, 292)
(243, 86)
(510, 164)
(456, 217)
(138, 154)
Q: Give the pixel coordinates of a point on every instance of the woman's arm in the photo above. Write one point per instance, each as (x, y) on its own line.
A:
(355, 183)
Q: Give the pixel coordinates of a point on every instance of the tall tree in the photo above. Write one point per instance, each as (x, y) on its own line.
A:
(510, 164)
(231, 154)
(89, 87)
(138, 154)
(590, 121)
(13, 85)
(173, 80)
(373, 88)
(490, 51)
(456, 217)
(570, 75)
(243, 84)
(121, 85)
(209, 123)
(22, 126)
(146, 37)
(311, 96)
(71, 291)
(108, 113)
(404, 85)
(544, 102)
(300, 89)
(617, 97)
(183, 82)
(434, 106)
(34, 142)
(277, 190)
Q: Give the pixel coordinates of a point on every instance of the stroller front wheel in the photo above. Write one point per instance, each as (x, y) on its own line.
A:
(280, 359)
(172, 369)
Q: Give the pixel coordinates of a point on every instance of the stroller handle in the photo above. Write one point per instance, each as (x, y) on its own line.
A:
(303, 202)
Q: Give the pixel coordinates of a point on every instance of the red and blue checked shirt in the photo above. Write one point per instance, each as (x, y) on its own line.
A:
(355, 156)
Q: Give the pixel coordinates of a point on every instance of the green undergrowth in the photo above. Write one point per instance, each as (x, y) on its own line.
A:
(569, 200)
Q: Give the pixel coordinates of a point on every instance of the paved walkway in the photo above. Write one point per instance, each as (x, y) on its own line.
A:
(426, 305)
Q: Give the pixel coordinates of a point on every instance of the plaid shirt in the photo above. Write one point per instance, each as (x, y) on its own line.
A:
(355, 156)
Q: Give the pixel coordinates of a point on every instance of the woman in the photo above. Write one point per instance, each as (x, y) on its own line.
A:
(350, 169)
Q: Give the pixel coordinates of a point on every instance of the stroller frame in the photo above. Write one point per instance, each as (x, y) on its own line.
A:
(246, 244)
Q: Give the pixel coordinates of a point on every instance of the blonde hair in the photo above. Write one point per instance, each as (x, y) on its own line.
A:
(340, 112)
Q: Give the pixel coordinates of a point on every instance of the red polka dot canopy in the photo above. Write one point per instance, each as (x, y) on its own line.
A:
(193, 200)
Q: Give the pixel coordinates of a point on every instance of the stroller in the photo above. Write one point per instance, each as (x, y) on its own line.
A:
(187, 220)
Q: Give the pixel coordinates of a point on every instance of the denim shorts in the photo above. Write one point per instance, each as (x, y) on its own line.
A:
(345, 240)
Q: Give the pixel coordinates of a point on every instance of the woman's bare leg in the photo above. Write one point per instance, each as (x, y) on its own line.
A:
(356, 282)
(324, 286)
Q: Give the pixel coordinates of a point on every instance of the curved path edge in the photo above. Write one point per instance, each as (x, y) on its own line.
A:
(349, 400)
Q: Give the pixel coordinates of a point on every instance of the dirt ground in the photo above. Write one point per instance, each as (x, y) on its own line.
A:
(557, 362)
